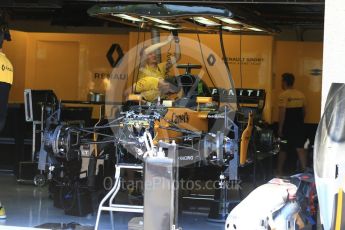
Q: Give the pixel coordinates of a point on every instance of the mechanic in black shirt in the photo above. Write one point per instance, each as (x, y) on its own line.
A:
(291, 122)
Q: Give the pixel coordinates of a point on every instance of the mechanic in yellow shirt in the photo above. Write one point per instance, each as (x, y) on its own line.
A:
(291, 122)
(151, 84)
(6, 80)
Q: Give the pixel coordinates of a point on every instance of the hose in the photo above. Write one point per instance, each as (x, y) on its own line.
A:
(226, 62)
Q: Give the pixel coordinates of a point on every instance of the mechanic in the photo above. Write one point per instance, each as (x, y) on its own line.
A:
(6, 80)
(291, 122)
(151, 84)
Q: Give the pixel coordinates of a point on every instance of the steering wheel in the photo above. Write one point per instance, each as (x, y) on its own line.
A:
(190, 87)
(188, 84)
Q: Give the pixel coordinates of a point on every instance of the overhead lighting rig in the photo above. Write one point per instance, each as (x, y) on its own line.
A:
(209, 19)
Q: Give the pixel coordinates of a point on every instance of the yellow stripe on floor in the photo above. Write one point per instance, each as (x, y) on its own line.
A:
(339, 209)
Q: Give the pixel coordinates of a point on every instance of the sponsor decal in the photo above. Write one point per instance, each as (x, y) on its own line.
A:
(180, 118)
(239, 92)
(186, 158)
(113, 76)
(245, 60)
(216, 116)
(5, 67)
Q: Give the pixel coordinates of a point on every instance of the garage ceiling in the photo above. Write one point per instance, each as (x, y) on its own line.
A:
(301, 14)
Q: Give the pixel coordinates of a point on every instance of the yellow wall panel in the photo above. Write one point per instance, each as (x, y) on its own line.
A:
(52, 56)
(74, 64)
(80, 60)
(300, 58)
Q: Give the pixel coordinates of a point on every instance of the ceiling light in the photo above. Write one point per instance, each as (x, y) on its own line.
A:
(127, 17)
(160, 21)
(230, 28)
(205, 21)
(255, 29)
(166, 27)
(227, 20)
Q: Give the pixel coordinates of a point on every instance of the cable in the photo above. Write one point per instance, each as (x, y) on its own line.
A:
(140, 60)
(203, 59)
(135, 63)
(176, 127)
(137, 75)
(115, 120)
(226, 61)
(97, 142)
(101, 127)
(241, 76)
(90, 132)
(168, 63)
(111, 126)
(108, 125)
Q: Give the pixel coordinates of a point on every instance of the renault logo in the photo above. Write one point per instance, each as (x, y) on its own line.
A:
(211, 60)
(114, 48)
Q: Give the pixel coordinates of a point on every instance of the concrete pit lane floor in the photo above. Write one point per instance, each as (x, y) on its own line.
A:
(30, 206)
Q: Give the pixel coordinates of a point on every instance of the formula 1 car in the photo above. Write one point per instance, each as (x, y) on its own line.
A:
(207, 120)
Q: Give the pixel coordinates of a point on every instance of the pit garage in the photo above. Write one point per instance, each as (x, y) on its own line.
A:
(160, 115)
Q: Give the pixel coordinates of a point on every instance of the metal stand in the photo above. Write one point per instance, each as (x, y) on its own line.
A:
(34, 132)
(171, 164)
(113, 207)
(38, 179)
(222, 205)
